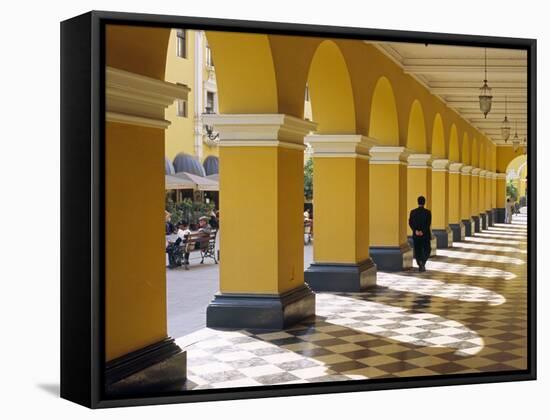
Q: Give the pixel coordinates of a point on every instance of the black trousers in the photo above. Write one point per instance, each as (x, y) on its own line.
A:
(422, 249)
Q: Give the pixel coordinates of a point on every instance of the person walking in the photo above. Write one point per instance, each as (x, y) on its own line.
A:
(509, 211)
(420, 221)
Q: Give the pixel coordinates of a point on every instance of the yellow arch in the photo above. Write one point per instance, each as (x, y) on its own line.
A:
(475, 153)
(454, 149)
(384, 124)
(416, 131)
(245, 73)
(332, 103)
(438, 138)
(482, 159)
(466, 149)
(516, 163)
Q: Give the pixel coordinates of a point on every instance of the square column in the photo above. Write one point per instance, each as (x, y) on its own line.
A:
(494, 196)
(488, 194)
(341, 214)
(261, 202)
(474, 198)
(389, 247)
(440, 203)
(501, 197)
(465, 198)
(454, 201)
(419, 182)
(481, 200)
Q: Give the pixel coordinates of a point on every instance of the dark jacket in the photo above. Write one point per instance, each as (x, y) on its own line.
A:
(421, 219)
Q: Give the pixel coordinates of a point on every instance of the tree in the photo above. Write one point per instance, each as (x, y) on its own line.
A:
(511, 190)
(308, 179)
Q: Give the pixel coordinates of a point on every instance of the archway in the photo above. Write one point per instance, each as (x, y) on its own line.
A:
(384, 124)
(466, 149)
(416, 131)
(438, 138)
(454, 148)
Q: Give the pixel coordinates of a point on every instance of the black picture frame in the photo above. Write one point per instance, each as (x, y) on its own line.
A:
(82, 204)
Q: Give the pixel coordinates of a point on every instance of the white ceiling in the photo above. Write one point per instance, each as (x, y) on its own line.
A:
(455, 74)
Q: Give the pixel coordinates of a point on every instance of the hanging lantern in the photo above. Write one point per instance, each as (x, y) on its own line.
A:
(515, 140)
(505, 128)
(485, 97)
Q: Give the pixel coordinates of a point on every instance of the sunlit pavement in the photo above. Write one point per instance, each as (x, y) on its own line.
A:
(465, 314)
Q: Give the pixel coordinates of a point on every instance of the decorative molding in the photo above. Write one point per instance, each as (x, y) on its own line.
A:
(339, 145)
(440, 165)
(419, 160)
(475, 171)
(455, 167)
(260, 130)
(501, 176)
(483, 173)
(466, 170)
(139, 100)
(388, 155)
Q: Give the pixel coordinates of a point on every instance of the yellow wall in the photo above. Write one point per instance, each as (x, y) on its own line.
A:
(384, 125)
(501, 193)
(416, 133)
(474, 195)
(258, 215)
(505, 154)
(388, 205)
(440, 197)
(481, 194)
(341, 196)
(465, 207)
(438, 138)
(419, 182)
(134, 248)
(454, 197)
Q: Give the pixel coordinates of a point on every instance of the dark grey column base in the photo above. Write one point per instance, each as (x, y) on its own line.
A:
(483, 221)
(325, 277)
(260, 311)
(489, 214)
(501, 215)
(469, 227)
(155, 369)
(477, 225)
(458, 231)
(391, 258)
(443, 238)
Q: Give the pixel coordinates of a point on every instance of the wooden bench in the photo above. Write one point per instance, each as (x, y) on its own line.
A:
(206, 247)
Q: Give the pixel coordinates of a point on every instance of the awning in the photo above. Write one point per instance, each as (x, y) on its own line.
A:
(201, 183)
(214, 177)
(173, 182)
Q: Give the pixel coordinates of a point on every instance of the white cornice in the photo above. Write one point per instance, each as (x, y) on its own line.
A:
(475, 171)
(339, 145)
(440, 165)
(455, 167)
(501, 176)
(419, 160)
(483, 173)
(139, 100)
(260, 129)
(388, 155)
(466, 170)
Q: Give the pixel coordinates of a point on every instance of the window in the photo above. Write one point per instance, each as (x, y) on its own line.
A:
(182, 108)
(210, 102)
(209, 59)
(182, 43)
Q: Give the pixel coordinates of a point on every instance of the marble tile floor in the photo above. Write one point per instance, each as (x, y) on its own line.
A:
(466, 314)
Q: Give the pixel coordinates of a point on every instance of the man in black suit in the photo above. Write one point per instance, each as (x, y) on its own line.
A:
(420, 221)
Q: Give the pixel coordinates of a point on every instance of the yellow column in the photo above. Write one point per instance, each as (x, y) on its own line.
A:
(501, 197)
(135, 274)
(262, 230)
(389, 247)
(481, 200)
(419, 182)
(454, 201)
(488, 196)
(341, 214)
(474, 198)
(440, 203)
(465, 200)
(494, 196)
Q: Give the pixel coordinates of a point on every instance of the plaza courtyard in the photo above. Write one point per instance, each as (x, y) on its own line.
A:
(465, 314)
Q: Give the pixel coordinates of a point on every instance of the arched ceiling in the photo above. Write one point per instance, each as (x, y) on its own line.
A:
(455, 74)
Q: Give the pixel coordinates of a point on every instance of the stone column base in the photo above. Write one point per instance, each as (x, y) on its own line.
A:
(391, 258)
(434, 246)
(477, 224)
(443, 238)
(490, 221)
(458, 230)
(469, 227)
(500, 215)
(156, 369)
(326, 277)
(483, 221)
(260, 311)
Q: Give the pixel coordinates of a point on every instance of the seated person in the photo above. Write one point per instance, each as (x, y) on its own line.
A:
(183, 230)
(204, 230)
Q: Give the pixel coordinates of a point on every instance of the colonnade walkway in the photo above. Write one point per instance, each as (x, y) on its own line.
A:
(466, 314)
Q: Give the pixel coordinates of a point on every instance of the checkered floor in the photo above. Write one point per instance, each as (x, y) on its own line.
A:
(466, 314)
